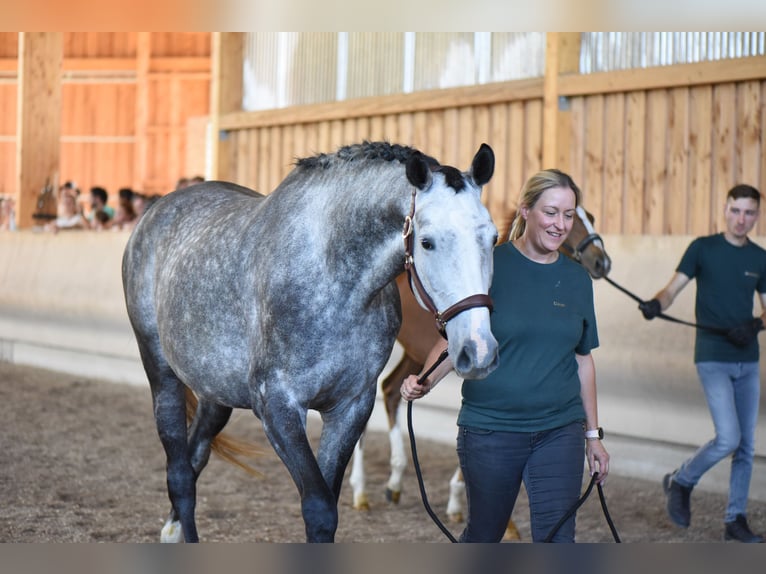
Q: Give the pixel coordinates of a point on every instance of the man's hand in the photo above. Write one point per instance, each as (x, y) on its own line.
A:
(744, 334)
(650, 308)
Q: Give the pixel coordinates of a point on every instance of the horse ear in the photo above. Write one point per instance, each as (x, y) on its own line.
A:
(418, 172)
(483, 165)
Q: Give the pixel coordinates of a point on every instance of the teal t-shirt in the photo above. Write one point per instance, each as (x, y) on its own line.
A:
(727, 278)
(543, 315)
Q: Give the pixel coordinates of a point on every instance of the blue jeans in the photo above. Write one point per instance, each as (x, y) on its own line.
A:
(494, 463)
(732, 391)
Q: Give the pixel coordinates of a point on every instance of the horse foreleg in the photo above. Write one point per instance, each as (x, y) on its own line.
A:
(285, 426)
(170, 416)
(357, 478)
(209, 420)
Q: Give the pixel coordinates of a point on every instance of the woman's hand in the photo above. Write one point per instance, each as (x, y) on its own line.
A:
(411, 390)
(598, 459)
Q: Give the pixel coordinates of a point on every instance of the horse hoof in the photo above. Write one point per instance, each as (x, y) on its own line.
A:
(393, 496)
(511, 533)
(455, 517)
(361, 503)
(172, 533)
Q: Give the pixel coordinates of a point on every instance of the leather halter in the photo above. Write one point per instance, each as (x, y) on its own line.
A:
(592, 236)
(478, 300)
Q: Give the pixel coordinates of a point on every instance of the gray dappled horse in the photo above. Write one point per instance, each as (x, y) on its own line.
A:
(286, 303)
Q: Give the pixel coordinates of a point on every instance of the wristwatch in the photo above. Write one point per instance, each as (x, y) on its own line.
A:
(594, 434)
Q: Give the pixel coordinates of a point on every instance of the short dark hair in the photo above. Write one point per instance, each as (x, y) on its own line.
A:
(99, 192)
(744, 190)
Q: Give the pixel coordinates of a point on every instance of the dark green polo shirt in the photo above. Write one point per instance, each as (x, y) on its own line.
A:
(543, 315)
(727, 278)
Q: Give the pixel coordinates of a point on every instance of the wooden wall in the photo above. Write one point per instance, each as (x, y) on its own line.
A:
(126, 99)
(654, 150)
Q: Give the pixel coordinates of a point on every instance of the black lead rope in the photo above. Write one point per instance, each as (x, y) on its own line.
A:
(636, 298)
(440, 524)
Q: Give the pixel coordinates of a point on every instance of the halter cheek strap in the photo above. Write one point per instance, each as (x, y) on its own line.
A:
(478, 300)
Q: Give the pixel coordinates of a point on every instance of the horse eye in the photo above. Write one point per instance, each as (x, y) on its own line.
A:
(426, 244)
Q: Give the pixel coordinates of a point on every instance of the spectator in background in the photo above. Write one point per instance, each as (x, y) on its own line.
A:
(125, 215)
(69, 216)
(101, 214)
(7, 214)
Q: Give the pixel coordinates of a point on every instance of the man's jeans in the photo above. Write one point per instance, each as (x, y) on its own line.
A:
(494, 463)
(732, 391)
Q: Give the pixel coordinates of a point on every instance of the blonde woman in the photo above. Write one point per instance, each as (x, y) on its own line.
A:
(535, 418)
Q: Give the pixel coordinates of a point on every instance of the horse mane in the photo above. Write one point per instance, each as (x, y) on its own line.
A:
(365, 151)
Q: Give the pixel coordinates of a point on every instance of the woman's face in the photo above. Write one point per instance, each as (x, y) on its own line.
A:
(550, 219)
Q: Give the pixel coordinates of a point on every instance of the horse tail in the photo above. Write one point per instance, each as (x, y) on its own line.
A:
(224, 445)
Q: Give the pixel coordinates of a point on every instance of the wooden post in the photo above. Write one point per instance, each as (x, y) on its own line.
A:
(562, 56)
(225, 96)
(38, 123)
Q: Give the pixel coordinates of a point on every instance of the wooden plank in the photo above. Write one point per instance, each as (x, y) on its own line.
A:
(436, 135)
(451, 152)
(516, 145)
(634, 163)
(592, 185)
(614, 164)
(656, 162)
(533, 137)
(679, 75)
(677, 189)
(391, 128)
(495, 194)
(275, 159)
(724, 149)
(419, 129)
(762, 171)
(38, 150)
(406, 128)
(465, 144)
(749, 147)
(575, 159)
(700, 160)
(263, 159)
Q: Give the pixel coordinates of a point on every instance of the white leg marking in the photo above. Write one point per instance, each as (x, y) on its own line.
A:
(398, 462)
(456, 495)
(357, 479)
(172, 532)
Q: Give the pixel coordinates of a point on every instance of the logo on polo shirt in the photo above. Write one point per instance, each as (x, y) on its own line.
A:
(558, 304)
(751, 274)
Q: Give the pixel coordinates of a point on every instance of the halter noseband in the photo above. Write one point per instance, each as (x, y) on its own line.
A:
(592, 236)
(478, 300)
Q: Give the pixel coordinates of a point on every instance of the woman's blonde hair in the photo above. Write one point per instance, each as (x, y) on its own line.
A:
(534, 188)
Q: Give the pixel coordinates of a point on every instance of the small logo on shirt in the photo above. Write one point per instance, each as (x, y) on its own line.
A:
(558, 304)
(751, 274)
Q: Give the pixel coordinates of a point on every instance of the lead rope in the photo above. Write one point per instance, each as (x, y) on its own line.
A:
(636, 298)
(424, 495)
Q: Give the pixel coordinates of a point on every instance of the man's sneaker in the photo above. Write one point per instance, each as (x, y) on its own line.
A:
(677, 501)
(739, 530)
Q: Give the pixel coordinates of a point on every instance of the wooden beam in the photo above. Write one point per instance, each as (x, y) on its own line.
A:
(226, 91)
(665, 77)
(425, 101)
(38, 125)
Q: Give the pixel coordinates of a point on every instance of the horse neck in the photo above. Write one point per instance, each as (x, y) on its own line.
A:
(357, 224)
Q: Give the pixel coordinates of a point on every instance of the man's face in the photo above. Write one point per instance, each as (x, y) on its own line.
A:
(741, 215)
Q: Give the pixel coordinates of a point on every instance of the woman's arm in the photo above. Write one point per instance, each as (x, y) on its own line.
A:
(411, 390)
(598, 458)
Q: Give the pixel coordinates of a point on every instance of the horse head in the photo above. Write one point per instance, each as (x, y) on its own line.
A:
(452, 236)
(586, 247)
